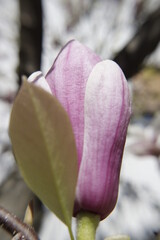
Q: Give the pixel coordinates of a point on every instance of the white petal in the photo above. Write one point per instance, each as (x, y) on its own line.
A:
(39, 80)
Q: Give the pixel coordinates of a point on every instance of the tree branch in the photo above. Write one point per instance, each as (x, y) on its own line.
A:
(15, 226)
(131, 57)
(30, 37)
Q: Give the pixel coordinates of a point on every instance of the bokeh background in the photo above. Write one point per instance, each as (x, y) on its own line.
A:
(128, 31)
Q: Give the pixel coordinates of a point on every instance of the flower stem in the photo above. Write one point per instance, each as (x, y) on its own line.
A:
(86, 225)
(70, 233)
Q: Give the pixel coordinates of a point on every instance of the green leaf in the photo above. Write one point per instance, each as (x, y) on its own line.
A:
(44, 148)
(118, 237)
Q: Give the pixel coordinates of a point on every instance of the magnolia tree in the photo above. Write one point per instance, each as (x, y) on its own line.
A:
(68, 131)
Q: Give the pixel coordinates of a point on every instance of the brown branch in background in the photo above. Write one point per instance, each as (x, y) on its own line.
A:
(131, 57)
(30, 37)
(13, 190)
(16, 227)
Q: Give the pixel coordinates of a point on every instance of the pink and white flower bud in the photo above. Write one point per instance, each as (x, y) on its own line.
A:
(95, 95)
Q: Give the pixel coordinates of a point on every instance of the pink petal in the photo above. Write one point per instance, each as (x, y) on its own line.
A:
(67, 79)
(107, 114)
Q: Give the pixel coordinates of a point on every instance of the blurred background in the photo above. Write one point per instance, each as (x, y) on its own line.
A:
(128, 31)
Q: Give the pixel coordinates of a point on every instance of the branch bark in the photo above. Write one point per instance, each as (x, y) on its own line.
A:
(131, 57)
(15, 226)
(30, 37)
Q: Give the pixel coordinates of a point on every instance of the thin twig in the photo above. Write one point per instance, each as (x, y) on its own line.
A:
(15, 226)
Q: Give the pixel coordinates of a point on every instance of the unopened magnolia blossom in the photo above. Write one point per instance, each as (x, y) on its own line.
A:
(95, 95)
